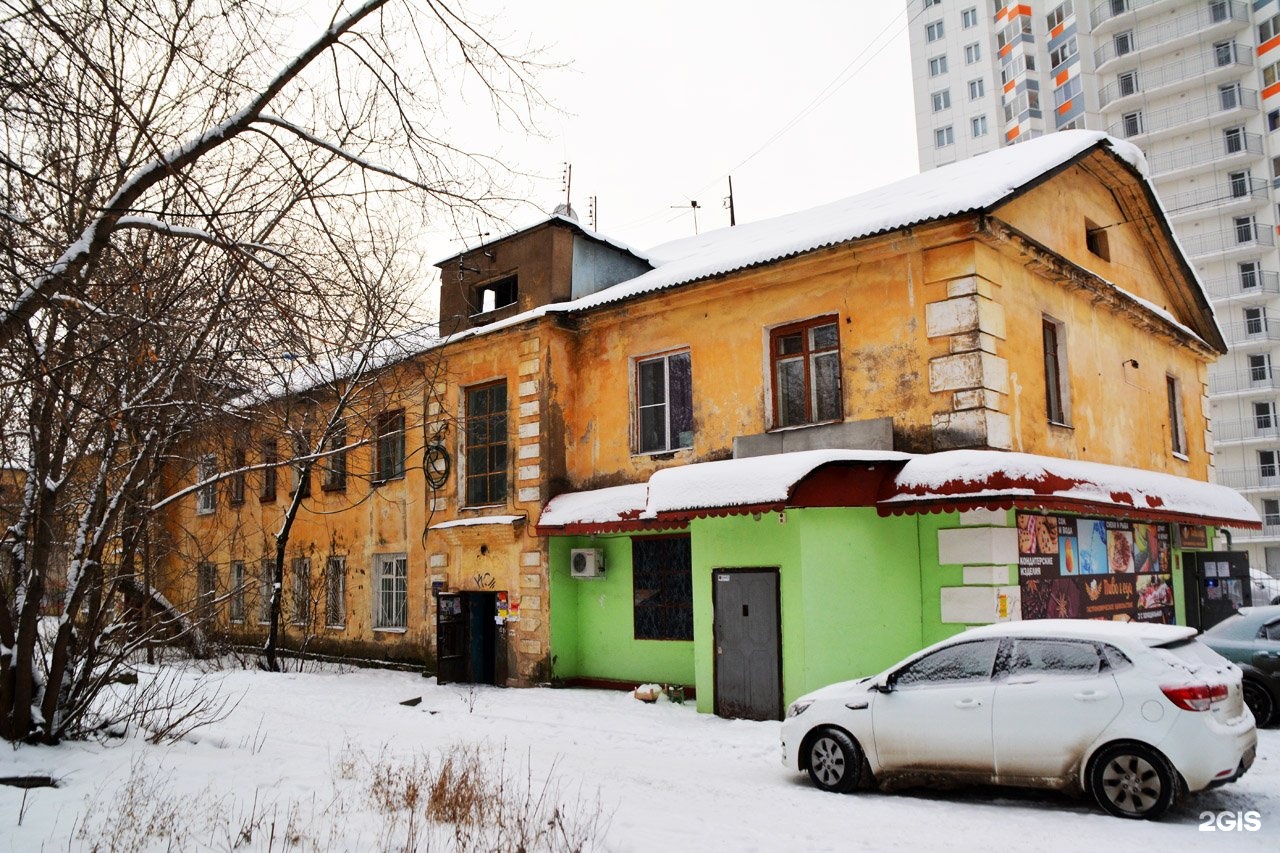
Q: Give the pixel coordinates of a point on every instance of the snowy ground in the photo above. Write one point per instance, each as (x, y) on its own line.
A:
(295, 759)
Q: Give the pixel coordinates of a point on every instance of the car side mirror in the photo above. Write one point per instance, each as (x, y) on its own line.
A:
(885, 686)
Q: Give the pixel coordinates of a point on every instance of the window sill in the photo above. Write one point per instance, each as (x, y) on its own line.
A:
(335, 627)
(662, 454)
(203, 512)
(335, 488)
(1060, 425)
(793, 427)
(266, 499)
(396, 479)
(391, 630)
(482, 507)
(1184, 457)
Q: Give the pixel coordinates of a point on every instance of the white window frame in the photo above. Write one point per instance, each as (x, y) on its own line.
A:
(300, 590)
(969, 18)
(972, 53)
(671, 442)
(236, 609)
(941, 100)
(1177, 422)
(977, 88)
(266, 583)
(938, 65)
(978, 126)
(206, 495)
(933, 31)
(943, 136)
(390, 576)
(1062, 369)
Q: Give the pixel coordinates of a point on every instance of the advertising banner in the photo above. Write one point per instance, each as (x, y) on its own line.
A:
(1093, 568)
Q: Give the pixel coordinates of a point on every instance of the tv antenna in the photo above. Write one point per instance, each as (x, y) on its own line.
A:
(692, 205)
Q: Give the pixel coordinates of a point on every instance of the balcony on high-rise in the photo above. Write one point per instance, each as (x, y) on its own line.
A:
(1245, 236)
(1235, 148)
(1248, 285)
(1218, 17)
(1210, 65)
(1228, 102)
(1240, 191)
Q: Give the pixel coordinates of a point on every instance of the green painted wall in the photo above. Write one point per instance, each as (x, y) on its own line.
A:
(849, 588)
(592, 622)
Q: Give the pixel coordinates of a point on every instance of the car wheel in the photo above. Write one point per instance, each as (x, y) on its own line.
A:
(1134, 781)
(1260, 702)
(834, 761)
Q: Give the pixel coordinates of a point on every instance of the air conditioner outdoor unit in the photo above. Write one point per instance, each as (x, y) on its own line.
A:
(586, 562)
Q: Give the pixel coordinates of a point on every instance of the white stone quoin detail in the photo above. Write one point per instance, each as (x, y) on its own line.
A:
(987, 575)
(981, 605)
(978, 545)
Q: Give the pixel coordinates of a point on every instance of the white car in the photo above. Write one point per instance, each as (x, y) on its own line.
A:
(1133, 714)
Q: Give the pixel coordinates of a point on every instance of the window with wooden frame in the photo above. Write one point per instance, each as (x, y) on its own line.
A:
(804, 364)
(237, 591)
(301, 468)
(335, 592)
(662, 587)
(270, 458)
(334, 463)
(390, 447)
(391, 591)
(664, 403)
(207, 580)
(266, 585)
(1057, 399)
(300, 590)
(486, 444)
(238, 462)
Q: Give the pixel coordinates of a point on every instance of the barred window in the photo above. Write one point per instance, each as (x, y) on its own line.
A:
(662, 581)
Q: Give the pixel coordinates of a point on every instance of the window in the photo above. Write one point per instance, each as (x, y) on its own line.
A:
(805, 362)
(1260, 368)
(1238, 184)
(270, 456)
(972, 53)
(335, 592)
(1057, 403)
(977, 88)
(662, 582)
(664, 403)
(1229, 96)
(941, 100)
(1177, 426)
(391, 595)
(1250, 275)
(1267, 464)
(1246, 229)
(1255, 320)
(937, 65)
(933, 32)
(238, 478)
(979, 125)
(300, 569)
(1063, 52)
(943, 136)
(486, 450)
(1269, 29)
(1067, 91)
(207, 580)
(266, 584)
(1264, 416)
(928, 3)
(1224, 53)
(1132, 123)
(1270, 512)
(1217, 10)
(969, 17)
(495, 295)
(1095, 240)
(207, 495)
(1058, 15)
(961, 662)
(1123, 42)
(335, 463)
(237, 591)
(390, 447)
(1273, 120)
(1271, 74)
(301, 467)
(1053, 657)
(1233, 140)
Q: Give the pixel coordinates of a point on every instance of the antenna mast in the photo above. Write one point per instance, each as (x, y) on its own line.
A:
(732, 220)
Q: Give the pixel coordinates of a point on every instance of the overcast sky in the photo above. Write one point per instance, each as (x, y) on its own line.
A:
(803, 102)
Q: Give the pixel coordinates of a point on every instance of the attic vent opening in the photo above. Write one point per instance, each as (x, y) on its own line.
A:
(495, 295)
(1095, 238)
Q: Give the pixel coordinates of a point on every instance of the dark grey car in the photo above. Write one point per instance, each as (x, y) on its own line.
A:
(1251, 640)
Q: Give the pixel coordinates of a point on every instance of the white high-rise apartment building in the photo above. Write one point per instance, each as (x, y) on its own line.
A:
(1196, 85)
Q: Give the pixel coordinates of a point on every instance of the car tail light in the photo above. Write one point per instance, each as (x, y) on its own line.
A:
(1195, 697)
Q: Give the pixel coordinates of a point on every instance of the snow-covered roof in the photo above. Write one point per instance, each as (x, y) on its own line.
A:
(553, 218)
(991, 475)
(950, 479)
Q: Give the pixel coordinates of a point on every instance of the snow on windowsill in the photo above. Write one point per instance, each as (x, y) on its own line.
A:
(472, 522)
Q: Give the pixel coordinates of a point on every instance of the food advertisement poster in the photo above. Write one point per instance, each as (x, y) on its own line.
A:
(1093, 568)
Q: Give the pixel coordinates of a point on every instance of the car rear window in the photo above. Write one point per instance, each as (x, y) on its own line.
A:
(1191, 655)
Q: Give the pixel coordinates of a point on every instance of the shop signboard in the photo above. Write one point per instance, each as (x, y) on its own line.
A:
(1092, 568)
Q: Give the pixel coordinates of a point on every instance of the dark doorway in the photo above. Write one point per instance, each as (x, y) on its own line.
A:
(748, 643)
(470, 645)
(1216, 584)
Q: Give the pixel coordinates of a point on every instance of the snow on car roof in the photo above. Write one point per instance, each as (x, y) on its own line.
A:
(1147, 633)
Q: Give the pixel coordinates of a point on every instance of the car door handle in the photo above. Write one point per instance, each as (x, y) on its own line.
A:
(968, 703)
(1091, 695)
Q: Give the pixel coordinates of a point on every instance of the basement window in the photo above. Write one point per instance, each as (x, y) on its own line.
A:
(497, 294)
(1095, 238)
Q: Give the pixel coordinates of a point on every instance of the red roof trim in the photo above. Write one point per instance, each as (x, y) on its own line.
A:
(1036, 502)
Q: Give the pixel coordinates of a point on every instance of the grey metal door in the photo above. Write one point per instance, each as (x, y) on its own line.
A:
(748, 660)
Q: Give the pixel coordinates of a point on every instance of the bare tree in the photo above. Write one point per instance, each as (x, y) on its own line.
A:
(183, 208)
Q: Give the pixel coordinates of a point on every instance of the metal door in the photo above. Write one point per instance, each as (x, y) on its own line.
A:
(451, 638)
(1217, 584)
(748, 659)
